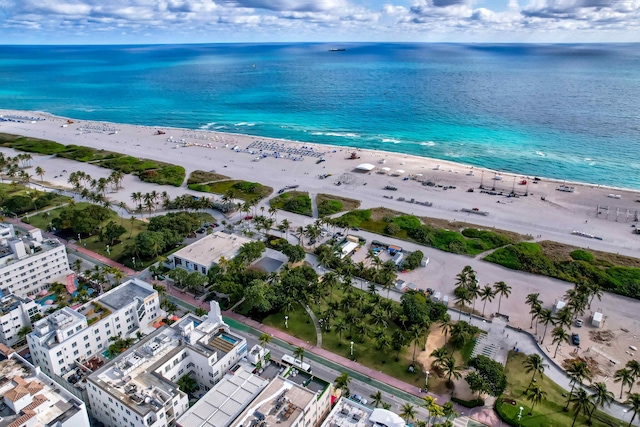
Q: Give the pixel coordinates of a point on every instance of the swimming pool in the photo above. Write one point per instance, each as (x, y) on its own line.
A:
(228, 339)
(44, 300)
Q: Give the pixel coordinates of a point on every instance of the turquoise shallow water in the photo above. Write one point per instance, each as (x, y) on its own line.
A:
(562, 111)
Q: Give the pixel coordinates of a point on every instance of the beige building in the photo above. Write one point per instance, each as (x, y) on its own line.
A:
(207, 252)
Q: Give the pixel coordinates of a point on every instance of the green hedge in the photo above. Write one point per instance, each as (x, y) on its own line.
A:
(474, 403)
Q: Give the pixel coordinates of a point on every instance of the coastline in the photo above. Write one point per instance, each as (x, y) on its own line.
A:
(329, 147)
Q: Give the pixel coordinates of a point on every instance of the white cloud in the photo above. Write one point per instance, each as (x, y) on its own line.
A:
(295, 20)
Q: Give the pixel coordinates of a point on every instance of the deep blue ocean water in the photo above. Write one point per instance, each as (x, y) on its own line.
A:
(562, 111)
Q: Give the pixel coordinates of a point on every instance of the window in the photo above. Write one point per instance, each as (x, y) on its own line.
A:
(75, 353)
(59, 353)
(74, 345)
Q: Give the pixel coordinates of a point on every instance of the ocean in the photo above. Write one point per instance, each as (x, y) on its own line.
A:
(560, 111)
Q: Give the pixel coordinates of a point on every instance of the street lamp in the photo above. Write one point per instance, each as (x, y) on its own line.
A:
(351, 348)
(520, 413)
(79, 239)
(426, 379)
(133, 260)
(286, 322)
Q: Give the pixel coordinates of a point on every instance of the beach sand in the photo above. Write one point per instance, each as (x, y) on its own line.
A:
(554, 218)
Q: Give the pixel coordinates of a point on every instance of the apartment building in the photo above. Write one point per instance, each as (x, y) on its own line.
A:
(16, 313)
(66, 338)
(30, 263)
(138, 388)
(207, 252)
(347, 413)
(32, 399)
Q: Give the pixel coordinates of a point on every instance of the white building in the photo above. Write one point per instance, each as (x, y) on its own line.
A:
(29, 264)
(207, 252)
(347, 413)
(67, 337)
(296, 399)
(15, 313)
(242, 399)
(138, 388)
(225, 401)
(32, 399)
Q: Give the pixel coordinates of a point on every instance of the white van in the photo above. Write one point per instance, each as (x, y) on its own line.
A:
(445, 300)
(436, 297)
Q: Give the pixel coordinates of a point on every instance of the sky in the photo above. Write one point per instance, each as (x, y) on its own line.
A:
(228, 21)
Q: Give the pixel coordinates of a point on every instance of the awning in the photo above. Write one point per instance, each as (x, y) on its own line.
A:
(365, 167)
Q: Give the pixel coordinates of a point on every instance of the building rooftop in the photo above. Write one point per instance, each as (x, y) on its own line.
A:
(220, 406)
(11, 302)
(211, 248)
(281, 402)
(45, 400)
(126, 293)
(134, 378)
(347, 413)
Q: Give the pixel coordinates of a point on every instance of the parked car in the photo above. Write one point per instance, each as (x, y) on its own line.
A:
(359, 399)
(579, 323)
(248, 218)
(575, 339)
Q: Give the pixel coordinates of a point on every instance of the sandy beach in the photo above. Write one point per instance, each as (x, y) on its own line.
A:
(544, 213)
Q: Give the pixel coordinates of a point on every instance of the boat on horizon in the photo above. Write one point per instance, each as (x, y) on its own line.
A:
(337, 49)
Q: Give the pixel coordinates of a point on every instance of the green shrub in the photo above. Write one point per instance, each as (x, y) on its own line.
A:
(407, 222)
(392, 229)
(294, 201)
(31, 145)
(329, 207)
(582, 255)
(474, 403)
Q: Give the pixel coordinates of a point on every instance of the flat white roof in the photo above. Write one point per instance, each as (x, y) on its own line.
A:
(224, 402)
(348, 248)
(211, 248)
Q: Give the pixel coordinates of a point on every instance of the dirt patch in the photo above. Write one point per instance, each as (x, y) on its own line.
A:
(605, 336)
(561, 252)
(347, 204)
(592, 363)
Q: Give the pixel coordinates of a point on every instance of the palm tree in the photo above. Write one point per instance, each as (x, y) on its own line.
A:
(535, 364)
(634, 366)
(625, 378)
(23, 332)
(376, 398)
(264, 340)
(559, 336)
(461, 296)
(408, 412)
(503, 290)
(446, 325)
(577, 372)
(535, 395)
(415, 332)
(533, 300)
(40, 172)
(398, 341)
(535, 315)
(581, 403)
(486, 294)
(77, 265)
(545, 317)
(439, 355)
(340, 327)
(449, 410)
(451, 370)
(634, 401)
(298, 353)
(600, 397)
(342, 383)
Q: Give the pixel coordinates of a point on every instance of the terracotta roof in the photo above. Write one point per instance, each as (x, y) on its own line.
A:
(6, 350)
(28, 414)
(37, 401)
(23, 389)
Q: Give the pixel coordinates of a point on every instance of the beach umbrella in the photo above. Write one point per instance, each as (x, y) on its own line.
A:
(400, 171)
(385, 169)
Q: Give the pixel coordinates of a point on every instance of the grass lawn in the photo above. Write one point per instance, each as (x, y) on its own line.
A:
(452, 237)
(548, 413)
(43, 220)
(329, 204)
(293, 201)
(243, 190)
(300, 324)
